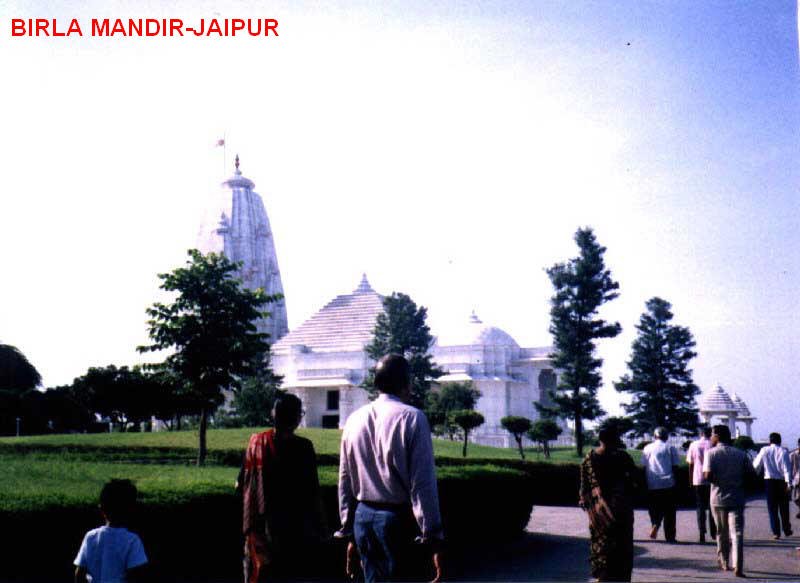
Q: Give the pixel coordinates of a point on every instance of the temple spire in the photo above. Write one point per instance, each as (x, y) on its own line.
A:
(236, 163)
(364, 286)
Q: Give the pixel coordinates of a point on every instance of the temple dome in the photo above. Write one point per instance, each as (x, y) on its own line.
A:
(717, 400)
(475, 333)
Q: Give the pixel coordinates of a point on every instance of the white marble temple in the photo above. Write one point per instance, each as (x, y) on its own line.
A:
(323, 362)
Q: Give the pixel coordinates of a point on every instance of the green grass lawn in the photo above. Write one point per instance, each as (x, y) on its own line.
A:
(38, 481)
(326, 442)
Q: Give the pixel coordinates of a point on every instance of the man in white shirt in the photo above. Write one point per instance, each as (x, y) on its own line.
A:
(702, 489)
(774, 459)
(660, 460)
(386, 465)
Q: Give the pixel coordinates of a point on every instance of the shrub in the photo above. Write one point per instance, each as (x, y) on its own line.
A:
(744, 443)
(643, 444)
(192, 527)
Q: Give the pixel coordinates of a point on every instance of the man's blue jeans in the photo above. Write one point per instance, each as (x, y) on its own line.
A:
(379, 534)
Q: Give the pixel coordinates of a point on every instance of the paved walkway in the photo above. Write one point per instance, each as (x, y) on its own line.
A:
(556, 548)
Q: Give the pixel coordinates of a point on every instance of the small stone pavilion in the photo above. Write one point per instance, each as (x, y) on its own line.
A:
(728, 410)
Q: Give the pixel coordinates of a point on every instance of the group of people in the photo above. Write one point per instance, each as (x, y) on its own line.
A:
(387, 494)
(717, 474)
(387, 481)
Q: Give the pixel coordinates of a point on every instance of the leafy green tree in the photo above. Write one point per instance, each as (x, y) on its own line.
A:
(123, 395)
(467, 420)
(64, 412)
(581, 285)
(450, 397)
(518, 427)
(17, 374)
(210, 326)
(660, 379)
(401, 329)
(543, 431)
(254, 400)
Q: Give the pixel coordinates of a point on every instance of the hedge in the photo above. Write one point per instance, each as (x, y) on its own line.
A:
(190, 535)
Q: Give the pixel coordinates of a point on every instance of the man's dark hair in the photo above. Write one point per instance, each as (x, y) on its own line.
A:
(706, 431)
(392, 374)
(118, 499)
(287, 410)
(724, 433)
(775, 438)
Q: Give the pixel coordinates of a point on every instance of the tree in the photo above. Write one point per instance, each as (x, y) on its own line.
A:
(254, 400)
(543, 432)
(450, 397)
(517, 426)
(17, 374)
(211, 328)
(401, 329)
(123, 395)
(581, 285)
(660, 379)
(467, 420)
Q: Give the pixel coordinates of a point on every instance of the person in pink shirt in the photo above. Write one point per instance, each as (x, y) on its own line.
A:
(702, 489)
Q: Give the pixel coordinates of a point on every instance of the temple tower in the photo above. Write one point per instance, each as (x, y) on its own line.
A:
(237, 225)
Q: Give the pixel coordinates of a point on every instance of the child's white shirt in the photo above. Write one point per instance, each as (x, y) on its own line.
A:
(108, 552)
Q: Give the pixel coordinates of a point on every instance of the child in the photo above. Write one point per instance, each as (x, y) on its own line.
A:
(112, 552)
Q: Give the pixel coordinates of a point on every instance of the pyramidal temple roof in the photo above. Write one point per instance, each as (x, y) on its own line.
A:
(742, 409)
(345, 323)
(717, 400)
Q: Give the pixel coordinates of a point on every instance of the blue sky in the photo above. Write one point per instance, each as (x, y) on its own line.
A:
(484, 135)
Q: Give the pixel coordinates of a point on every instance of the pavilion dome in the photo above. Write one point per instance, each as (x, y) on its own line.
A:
(475, 333)
(717, 400)
(742, 410)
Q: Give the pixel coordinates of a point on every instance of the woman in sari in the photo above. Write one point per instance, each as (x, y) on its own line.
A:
(608, 477)
(282, 521)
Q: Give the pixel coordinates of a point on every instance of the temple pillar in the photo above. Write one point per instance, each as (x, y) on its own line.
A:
(748, 425)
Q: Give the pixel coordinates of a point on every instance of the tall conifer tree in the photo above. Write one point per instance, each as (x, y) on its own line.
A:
(660, 379)
(582, 285)
(401, 329)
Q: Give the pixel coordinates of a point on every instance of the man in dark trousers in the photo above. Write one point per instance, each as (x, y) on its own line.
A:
(386, 466)
(774, 460)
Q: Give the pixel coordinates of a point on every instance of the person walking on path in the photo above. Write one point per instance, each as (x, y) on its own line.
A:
(282, 520)
(794, 460)
(386, 466)
(774, 460)
(608, 476)
(660, 460)
(702, 489)
(725, 467)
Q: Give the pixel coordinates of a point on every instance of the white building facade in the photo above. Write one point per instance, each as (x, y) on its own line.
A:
(324, 363)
